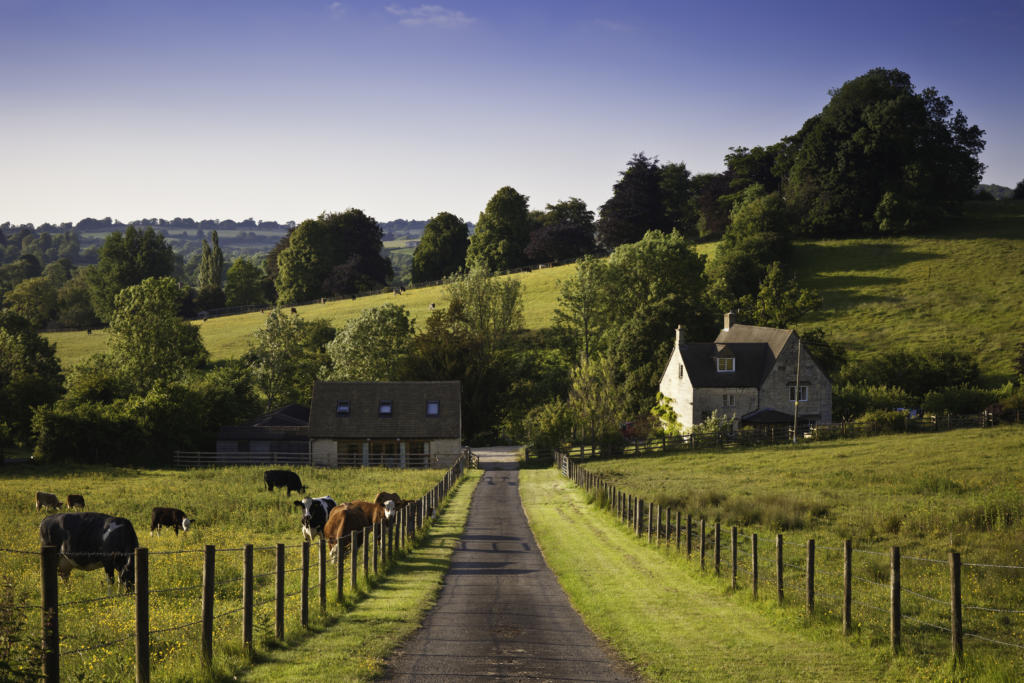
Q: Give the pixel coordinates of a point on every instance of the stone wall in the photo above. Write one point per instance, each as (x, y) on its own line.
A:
(775, 389)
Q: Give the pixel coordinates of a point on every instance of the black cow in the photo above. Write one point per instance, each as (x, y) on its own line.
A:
(172, 517)
(90, 540)
(283, 479)
(315, 512)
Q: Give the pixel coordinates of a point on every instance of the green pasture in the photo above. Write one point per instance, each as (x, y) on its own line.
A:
(926, 493)
(231, 508)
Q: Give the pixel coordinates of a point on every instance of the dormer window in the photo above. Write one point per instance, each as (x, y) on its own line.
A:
(343, 409)
(384, 409)
(433, 408)
(727, 364)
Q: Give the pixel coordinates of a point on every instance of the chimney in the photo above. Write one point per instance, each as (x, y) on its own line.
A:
(679, 336)
(728, 321)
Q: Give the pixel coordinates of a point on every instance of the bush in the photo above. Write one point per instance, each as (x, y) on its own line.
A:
(961, 400)
(850, 401)
(883, 421)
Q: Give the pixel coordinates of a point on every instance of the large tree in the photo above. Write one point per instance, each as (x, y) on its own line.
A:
(335, 253)
(127, 259)
(502, 232)
(244, 285)
(30, 376)
(565, 231)
(372, 347)
(442, 249)
(285, 356)
(636, 205)
(881, 157)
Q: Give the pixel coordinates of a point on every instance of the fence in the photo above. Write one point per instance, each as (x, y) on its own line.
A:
(245, 589)
(910, 597)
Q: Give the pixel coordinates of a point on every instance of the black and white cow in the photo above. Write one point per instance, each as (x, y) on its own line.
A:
(283, 479)
(315, 512)
(172, 517)
(90, 540)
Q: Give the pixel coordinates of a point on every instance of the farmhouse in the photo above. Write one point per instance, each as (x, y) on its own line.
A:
(394, 424)
(749, 374)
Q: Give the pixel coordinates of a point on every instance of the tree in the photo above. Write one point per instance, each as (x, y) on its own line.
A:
(30, 376)
(285, 356)
(335, 253)
(34, 299)
(486, 308)
(780, 300)
(127, 259)
(595, 402)
(74, 304)
(677, 193)
(564, 231)
(211, 267)
(373, 347)
(502, 232)
(244, 285)
(710, 200)
(636, 205)
(582, 308)
(1018, 192)
(149, 342)
(881, 158)
(442, 249)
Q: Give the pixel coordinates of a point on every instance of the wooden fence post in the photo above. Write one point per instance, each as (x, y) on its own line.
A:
(956, 626)
(376, 548)
(689, 535)
(895, 611)
(322, 574)
(304, 593)
(340, 556)
(353, 538)
(367, 534)
(142, 615)
(732, 550)
(650, 521)
(753, 563)
(207, 619)
(279, 592)
(247, 599)
(810, 576)
(847, 584)
(718, 548)
(391, 542)
(702, 544)
(50, 625)
(657, 526)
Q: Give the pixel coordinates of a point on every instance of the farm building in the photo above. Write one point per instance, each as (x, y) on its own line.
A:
(285, 430)
(395, 424)
(749, 374)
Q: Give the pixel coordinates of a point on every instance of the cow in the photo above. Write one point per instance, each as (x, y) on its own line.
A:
(90, 540)
(283, 479)
(172, 517)
(47, 500)
(315, 512)
(343, 520)
(76, 500)
(385, 496)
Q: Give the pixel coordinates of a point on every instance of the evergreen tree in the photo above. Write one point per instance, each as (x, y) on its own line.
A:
(442, 249)
(636, 205)
(502, 233)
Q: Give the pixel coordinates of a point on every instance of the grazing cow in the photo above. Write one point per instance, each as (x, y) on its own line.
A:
(283, 479)
(376, 512)
(90, 540)
(343, 520)
(172, 517)
(76, 501)
(385, 496)
(315, 512)
(46, 500)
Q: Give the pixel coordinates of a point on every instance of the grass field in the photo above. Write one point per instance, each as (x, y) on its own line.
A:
(927, 494)
(231, 507)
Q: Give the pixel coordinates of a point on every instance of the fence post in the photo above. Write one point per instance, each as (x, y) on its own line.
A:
(718, 548)
(753, 563)
(142, 615)
(895, 612)
(956, 626)
(353, 536)
(322, 573)
(279, 592)
(678, 531)
(247, 599)
(732, 549)
(304, 599)
(376, 548)
(48, 595)
(650, 521)
(810, 576)
(847, 583)
(702, 544)
(391, 541)
(778, 566)
(340, 549)
(366, 553)
(689, 536)
(207, 627)
(657, 526)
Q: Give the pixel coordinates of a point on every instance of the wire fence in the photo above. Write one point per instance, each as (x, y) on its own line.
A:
(925, 604)
(236, 592)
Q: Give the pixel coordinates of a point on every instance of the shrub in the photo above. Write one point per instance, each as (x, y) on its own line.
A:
(883, 421)
(959, 400)
(850, 401)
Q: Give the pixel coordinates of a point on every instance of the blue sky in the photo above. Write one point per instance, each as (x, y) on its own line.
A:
(282, 110)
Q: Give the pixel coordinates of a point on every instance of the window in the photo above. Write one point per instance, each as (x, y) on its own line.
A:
(384, 409)
(433, 408)
(682, 371)
(728, 400)
(727, 364)
(803, 393)
(343, 409)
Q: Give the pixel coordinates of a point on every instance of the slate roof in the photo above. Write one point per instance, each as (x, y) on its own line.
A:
(751, 362)
(289, 423)
(408, 419)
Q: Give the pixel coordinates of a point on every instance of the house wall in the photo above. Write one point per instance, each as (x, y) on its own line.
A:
(678, 390)
(324, 452)
(446, 450)
(775, 388)
(708, 400)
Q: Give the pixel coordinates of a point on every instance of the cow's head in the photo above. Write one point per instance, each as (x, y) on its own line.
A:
(305, 504)
(186, 523)
(389, 509)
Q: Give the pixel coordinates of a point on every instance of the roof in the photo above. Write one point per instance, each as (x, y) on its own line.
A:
(774, 337)
(751, 363)
(292, 415)
(290, 422)
(408, 418)
(765, 416)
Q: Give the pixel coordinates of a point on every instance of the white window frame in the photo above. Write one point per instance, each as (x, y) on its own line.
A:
(726, 364)
(437, 407)
(793, 393)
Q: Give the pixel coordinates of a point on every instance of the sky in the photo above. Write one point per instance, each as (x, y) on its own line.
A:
(283, 110)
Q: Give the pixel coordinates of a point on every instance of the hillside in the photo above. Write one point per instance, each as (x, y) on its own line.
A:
(957, 288)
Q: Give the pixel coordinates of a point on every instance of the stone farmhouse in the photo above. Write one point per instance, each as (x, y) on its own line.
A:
(749, 374)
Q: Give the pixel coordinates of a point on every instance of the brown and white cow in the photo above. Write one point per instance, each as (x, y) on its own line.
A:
(384, 496)
(90, 540)
(76, 500)
(172, 517)
(47, 500)
(343, 520)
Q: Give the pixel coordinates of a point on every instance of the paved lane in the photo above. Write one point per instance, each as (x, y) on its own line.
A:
(501, 614)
